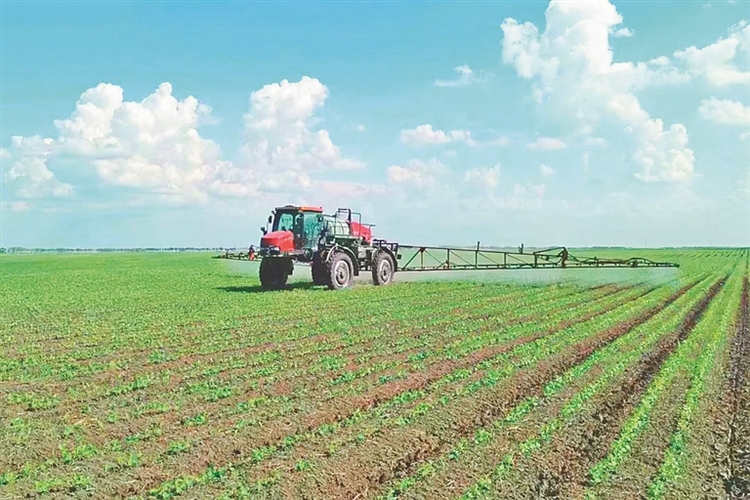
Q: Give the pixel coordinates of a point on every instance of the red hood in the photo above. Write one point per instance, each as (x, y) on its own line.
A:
(283, 240)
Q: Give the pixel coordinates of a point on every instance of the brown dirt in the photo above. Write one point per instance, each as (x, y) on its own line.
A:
(171, 421)
(738, 483)
(368, 467)
(188, 363)
(207, 434)
(563, 468)
(229, 447)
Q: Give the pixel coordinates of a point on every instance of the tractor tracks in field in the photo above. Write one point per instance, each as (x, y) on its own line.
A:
(737, 485)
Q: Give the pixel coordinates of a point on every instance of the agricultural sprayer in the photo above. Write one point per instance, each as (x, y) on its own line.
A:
(339, 247)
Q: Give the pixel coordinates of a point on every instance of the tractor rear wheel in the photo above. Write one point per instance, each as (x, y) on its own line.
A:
(382, 268)
(340, 271)
(273, 273)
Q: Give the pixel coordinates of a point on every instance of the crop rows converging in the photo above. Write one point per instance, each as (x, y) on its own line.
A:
(174, 376)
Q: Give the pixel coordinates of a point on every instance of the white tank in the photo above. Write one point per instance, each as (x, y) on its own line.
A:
(336, 226)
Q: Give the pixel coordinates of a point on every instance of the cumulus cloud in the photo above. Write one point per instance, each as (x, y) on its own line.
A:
(716, 62)
(500, 141)
(28, 159)
(623, 32)
(725, 112)
(281, 134)
(154, 145)
(546, 171)
(483, 177)
(547, 144)
(416, 173)
(571, 65)
(425, 134)
(466, 76)
(521, 197)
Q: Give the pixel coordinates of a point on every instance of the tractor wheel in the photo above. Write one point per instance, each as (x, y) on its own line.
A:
(318, 272)
(273, 273)
(340, 272)
(382, 269)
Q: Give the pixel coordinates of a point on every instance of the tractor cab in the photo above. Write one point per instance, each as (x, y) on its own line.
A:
(294, 230)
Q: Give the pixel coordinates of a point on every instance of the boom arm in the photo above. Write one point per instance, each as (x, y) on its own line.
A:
(427, 258)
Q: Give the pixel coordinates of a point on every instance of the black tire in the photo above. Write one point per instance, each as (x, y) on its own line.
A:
(340, 272)
(273, 273)
(319, 274)
(382, 268)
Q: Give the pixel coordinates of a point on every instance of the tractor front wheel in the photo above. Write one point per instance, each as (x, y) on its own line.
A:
(273, 273)
(318, 272)
(340, 271)
(382, 268)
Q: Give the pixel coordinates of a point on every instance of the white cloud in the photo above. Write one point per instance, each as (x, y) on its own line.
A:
(725, 112)
(29, 169)
(19, 206)
(595, 141)
(151, 145)
(524, 197)
(466, 77)
(425, 134)
(575, 77)
(623, 32)
(154, 145)
(416, 173)
(546, 171)
(500, 141)
(361, 128)
(462, 136)
(659, 61)
(280, 132)
(483, 177)
(547, 144)
(343, 189)
(715, 62)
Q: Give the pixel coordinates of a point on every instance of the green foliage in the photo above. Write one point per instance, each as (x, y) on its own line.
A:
(119, 365)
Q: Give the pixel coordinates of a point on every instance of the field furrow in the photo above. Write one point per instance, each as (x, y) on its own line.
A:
(450, 475)
(448, 416)
(172, 376)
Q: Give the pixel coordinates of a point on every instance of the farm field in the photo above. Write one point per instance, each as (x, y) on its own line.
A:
(172, 376)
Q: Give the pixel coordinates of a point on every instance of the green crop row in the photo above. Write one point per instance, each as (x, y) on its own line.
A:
(681, 359)
(526, 355)
(286, 400)
(609, 354)
(716, 327)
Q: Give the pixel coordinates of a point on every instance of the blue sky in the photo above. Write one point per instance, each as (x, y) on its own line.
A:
(548, 123)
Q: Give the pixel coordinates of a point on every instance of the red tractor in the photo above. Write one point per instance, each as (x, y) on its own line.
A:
(337, 247)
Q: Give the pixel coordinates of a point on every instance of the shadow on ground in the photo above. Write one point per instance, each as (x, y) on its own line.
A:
(258, 288)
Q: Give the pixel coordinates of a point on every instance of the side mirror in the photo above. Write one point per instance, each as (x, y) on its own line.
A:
(270, 219)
